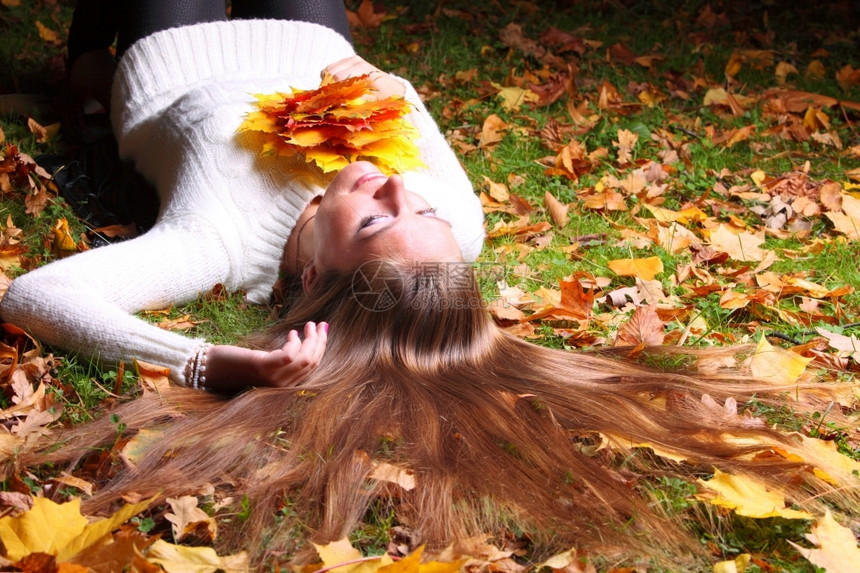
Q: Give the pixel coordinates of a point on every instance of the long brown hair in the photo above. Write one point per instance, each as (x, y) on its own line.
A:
(500, 434)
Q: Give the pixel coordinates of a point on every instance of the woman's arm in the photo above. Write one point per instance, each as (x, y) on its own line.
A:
(86, 304)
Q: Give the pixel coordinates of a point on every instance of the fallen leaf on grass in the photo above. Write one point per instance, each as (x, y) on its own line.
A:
(492, 131)
(747, 497)
(365, 16)
(835, 549)
(625, 143)
(58, 529)
(64, 242)
(557, 210)
(184, 322)
(644, 328)
(513, 97)
(645, 269)
(188, 518)
(741, 246)
(47, 34)
(776, 365)
(43, 133)
(181, 559)
(849, 344)
(153, 378)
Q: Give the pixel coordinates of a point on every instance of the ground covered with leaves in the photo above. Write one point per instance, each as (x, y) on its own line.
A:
(653, 173)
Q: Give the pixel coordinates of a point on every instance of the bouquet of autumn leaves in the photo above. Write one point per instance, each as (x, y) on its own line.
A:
(336, 124)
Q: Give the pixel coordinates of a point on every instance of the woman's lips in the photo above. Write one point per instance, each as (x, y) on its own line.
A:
(365, 178)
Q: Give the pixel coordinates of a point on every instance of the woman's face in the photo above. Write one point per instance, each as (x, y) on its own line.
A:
(365, 215)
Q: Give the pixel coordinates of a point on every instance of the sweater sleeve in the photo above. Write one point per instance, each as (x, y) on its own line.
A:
(85, 303)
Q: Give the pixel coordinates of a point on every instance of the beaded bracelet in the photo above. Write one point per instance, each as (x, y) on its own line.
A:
(195, 369)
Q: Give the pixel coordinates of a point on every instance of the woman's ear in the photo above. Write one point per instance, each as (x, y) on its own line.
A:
(309, 276)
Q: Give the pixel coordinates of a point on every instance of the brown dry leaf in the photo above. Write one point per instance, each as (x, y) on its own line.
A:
(743, 246)
(645, 269)
(184, 322)
(848, 77)
(571, 162)
(404, 477)
(34, 426)
(557, 210)
(492, 131)
(43, 133)
(498, 191)
(608, 199)
(10, 3)
(75, 482)
(153, 378)
(643, 328)
(118, 553)
(365, 16)
(674, 238)
(625, 143)
(815, 71)
(188, 518)
(522, 227)
(782, 71)
(575, 297)
(847, 344)
(835, 549)
(36, 201)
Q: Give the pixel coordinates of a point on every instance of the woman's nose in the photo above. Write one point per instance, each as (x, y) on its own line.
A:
(392, 190)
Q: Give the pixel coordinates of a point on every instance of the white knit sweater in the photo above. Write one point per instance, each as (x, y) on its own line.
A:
(226, 212)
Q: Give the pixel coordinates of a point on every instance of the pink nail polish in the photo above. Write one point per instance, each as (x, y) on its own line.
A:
(325, 327)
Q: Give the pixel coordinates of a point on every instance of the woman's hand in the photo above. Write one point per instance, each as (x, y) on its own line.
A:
(386, 85)
(232, 368)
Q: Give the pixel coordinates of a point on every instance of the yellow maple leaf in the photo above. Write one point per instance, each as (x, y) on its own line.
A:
(776, 365)
(58, 529)
(645, 269)
(182, 559)
(836, 548)
(349, 559)
(747, 497)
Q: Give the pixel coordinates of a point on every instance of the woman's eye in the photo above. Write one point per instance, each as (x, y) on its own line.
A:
(370, 220)
(431, 211)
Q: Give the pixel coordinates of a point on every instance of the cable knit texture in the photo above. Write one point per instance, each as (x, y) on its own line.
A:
(226, 212)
